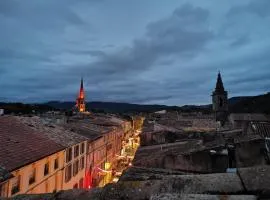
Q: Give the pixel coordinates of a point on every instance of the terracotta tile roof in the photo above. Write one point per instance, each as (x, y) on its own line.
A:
(20, 144)
(87, 129)
(57, 133)
(249, 117)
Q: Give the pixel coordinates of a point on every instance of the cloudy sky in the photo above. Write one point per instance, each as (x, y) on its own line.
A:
(136, 51)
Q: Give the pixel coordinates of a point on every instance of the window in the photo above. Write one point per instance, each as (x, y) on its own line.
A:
(1, 188)
(32, 176)
(69, 155)
(102, 166)
(76, 151)
(56, 163)
(75, 167)
(81, 183)
(81, 163)
(220, 102)
(46, 169)
(109, 147)
(68, 173)
(82, 148)
(15, 187)
(75, 186)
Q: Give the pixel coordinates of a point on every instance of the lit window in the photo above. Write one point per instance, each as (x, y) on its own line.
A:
(75, 167)
(82, 163)
(68, 173)
(69, 155)
(56, 163)
(32, 177)
(76, 151)
(46, 169)
(82, 148)
(15, 187)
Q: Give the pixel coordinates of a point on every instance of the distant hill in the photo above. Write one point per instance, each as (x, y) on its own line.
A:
(234, 100)
(115, 107)
(252, 104)
(111, 107)
(255, 104)
(18, 108)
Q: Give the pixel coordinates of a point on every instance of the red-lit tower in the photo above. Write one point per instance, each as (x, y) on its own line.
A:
(80, 102)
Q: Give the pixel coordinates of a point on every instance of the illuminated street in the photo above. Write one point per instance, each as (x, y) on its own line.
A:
(129, 148)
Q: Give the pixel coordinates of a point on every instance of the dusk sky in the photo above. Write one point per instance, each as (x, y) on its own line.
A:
(137, 51)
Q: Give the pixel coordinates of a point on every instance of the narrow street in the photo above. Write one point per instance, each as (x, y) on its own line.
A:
(129, 148)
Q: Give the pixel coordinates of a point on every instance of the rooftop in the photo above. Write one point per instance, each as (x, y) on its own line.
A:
(57, 133)
(249, 117)
(21, 144)
(94, 126)
(90, 131)
(261, 128)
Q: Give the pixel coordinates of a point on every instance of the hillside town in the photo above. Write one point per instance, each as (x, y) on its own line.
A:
(134, 100)
(159, 155)
(56, 151)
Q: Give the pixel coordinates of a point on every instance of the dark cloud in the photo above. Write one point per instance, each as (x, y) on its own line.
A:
(42, 15)
(173, 58)
(16, 54)
(260, 8)
(170, 36)
(240, 41)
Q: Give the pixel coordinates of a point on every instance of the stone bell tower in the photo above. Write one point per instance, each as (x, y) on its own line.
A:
(220, 101)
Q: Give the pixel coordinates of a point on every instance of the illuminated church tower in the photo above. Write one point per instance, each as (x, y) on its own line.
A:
(220, 101)
(80, 103)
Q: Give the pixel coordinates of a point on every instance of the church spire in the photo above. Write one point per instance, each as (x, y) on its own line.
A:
(219, 84)
(82, 83)
(80, 103)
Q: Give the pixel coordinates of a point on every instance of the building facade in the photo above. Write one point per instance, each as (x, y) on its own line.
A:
(34, 161)
(46, 157)
(74, 166)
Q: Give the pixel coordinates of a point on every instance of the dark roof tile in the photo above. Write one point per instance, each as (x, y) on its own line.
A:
(20, 144)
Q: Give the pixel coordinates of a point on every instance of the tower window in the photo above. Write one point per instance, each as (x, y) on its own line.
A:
(220, 102)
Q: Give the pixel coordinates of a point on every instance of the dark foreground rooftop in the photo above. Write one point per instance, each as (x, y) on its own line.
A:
(247, 184)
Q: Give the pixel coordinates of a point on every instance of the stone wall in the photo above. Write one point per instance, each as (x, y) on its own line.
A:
(249, 153)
